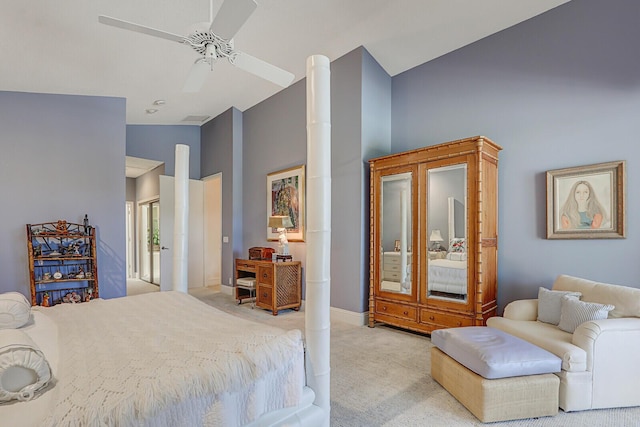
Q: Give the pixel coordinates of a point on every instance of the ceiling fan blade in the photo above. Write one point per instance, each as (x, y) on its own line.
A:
(262, 69)
(231, 16)
(125, 25)
(197, 76)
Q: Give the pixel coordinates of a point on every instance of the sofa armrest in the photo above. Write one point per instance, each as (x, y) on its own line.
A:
(523, 309)
(613, 349)
(608, 336)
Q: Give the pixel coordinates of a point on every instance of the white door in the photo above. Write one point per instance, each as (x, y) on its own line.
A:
(213, 230)
(196, 245)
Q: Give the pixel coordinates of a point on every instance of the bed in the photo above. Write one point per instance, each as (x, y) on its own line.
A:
(167, 359)
(161, 359)
(448, 276)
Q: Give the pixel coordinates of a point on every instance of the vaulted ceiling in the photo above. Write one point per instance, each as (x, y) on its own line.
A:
(59, 47)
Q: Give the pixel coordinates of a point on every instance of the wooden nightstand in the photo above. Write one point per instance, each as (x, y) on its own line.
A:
(437, 254)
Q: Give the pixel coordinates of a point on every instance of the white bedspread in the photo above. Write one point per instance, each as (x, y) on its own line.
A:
(128, 361)
(448, 276)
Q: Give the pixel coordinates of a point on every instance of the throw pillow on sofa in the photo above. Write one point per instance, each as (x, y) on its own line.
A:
(549, 304)
(574, 312)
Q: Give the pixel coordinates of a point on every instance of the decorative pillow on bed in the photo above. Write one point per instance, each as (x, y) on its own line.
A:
(549, 304)
(457, 256)
(15, 310)
(575, 312)
(457, 244)
(23, 368)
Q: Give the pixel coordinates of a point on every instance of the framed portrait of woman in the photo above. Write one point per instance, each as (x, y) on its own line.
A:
(587, 202)
(286, 197)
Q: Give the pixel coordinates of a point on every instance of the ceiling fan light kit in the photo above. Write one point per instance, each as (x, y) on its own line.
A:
(216, 42)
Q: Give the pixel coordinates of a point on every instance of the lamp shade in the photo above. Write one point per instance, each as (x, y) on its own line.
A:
(280, 221)
(436, 236)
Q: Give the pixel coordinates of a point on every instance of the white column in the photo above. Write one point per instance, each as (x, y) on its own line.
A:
(181, 220)
(318, 284)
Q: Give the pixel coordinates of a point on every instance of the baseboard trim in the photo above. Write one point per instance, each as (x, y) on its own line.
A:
(350, 317)
(346, 316)
(337, 314)
(228, 290)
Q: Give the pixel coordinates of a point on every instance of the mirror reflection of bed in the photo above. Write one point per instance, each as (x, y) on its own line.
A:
(447, 256)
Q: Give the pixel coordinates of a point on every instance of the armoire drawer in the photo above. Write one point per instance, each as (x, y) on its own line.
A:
(396, 310)
(444, 319)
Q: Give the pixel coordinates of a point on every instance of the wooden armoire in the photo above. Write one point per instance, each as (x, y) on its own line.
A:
(434, 236)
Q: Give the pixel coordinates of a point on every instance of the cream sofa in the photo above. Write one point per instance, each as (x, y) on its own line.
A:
(601, 359)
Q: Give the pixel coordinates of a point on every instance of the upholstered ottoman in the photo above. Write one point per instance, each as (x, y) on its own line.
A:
(496, 376)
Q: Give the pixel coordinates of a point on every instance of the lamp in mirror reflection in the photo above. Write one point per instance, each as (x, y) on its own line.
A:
(436, 239)
(281, 223)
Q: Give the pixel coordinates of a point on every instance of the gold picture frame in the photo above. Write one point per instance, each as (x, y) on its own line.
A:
(286, 196)
(587, 202)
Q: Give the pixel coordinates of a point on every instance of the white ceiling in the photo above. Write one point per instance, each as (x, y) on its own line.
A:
(59, 46)
(136, 166)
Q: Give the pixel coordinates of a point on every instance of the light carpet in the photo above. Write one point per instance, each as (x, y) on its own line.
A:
(381, 377)
(137, 287)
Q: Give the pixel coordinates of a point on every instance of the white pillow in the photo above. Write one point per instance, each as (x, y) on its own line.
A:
(549, 304)
(575, 312)
(23, 367)
(457, 256)
(15, 310)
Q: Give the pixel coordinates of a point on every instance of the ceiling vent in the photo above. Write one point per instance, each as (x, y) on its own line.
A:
(198, 119)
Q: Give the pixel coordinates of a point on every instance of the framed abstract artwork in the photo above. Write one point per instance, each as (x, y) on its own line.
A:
(587, 202)
(286, 196)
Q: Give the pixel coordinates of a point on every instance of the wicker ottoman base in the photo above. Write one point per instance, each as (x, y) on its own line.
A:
(499, 399)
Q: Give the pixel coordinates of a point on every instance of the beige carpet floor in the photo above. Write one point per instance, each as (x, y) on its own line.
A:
(380, 377)
(137, 286)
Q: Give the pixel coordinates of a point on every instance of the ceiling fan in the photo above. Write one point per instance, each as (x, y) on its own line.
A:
(213, 42)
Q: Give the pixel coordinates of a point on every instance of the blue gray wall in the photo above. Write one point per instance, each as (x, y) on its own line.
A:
(147, 185)
(158, 142)
(221, 152)
(559, 90)
(375, 128)
(62, 157)
(347, 274)
(274, 138)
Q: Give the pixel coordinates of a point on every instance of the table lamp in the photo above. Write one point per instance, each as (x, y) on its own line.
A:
(436, 237)
(281, 223)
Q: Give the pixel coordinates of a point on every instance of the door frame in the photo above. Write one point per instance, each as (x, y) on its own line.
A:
(141, 233)
(130, 239)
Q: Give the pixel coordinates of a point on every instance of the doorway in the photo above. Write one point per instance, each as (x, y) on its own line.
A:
(213, 230)
(150, 241)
